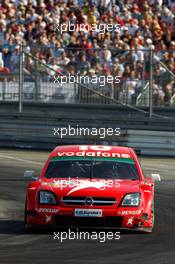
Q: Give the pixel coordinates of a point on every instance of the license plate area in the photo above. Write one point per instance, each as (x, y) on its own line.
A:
(88, 212)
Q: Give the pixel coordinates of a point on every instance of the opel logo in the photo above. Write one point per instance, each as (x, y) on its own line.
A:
(88, 201)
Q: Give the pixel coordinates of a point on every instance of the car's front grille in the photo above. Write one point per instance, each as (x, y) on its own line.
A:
(81, 200)
(70, 221)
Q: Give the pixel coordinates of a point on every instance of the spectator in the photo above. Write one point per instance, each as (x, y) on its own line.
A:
(83, 65)
(3, 71)
(143, 25)
(63, 60)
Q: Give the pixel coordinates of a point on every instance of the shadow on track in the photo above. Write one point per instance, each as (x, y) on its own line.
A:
(11, 227)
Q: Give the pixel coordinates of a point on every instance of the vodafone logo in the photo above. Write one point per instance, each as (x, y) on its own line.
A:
(94, 151)
(93, 154)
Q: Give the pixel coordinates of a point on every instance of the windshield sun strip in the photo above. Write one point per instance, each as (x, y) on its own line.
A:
(122, 160)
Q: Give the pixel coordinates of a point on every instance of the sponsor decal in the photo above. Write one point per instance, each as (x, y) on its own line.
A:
(94, 151)
(85, 185)
(48, 218)
(88, 184)
(47, 210)
(130, 221)
(88, 212)
(93, 154)
(130, 212)
(51, 211)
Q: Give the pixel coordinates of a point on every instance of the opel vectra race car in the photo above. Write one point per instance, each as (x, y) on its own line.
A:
(91, 186)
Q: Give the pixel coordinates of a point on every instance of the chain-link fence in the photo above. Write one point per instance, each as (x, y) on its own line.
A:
(130, 77)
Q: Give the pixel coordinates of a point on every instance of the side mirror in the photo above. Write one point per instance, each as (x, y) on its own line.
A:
(30, 174)
(155, 177)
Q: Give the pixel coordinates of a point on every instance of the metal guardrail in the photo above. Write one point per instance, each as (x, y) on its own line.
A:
(148, 142)
(158, 143)
(16, 132)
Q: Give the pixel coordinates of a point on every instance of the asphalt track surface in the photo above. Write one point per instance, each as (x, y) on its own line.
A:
(18, 247)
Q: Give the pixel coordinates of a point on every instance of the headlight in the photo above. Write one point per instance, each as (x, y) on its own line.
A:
(46, 197)
(132, 199)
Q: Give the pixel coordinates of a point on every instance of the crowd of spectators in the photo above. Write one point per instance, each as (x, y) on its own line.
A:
(122, 51)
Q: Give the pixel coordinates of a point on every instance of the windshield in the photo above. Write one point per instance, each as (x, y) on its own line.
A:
(85, 167)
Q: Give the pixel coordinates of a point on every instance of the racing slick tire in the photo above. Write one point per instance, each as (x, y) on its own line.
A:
(29, 228)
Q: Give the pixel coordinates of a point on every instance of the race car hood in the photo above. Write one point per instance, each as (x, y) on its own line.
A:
(90, 187)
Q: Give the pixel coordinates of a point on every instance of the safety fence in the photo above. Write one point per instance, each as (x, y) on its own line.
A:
(130, 77)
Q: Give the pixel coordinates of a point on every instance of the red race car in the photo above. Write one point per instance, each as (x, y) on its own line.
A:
(91, 186)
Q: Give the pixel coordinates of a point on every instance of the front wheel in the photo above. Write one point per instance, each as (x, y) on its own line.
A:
(150, 229)
(27, 227)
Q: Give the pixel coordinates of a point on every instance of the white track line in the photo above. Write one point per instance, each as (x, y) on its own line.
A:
(21, 160)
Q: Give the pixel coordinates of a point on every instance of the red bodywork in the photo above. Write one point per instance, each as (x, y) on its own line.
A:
(112, 215)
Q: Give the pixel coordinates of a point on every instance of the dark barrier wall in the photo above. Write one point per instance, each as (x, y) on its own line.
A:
(41, 129)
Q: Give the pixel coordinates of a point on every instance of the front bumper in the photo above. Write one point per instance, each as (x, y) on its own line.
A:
(111, 218)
